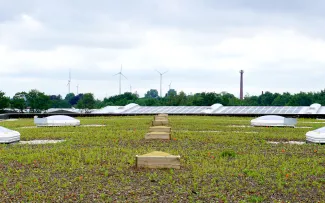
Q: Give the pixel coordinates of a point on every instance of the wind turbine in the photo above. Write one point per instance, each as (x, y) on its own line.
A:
(161, 74)
(120, 73)
(130, 88)
(77, 89)
(170, 84)
(69, 81)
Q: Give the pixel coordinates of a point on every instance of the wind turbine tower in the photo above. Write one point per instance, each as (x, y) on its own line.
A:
(161, 74)
(170, 84)
(77, 89)
(120, 78)
(241, 84)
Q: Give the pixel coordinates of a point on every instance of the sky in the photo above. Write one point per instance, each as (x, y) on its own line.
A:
(203, 44)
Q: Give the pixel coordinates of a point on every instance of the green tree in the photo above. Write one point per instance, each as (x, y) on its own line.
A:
(148, 102)
(121, 100)
(170, 98)
(37, 101)
(266, 99)
(319, 97)
(69, 98)
(171, 92)
(4, 101)
(151, 94)
(197, 99)
(228, 99)
(250, 100)
(99, 104)
(87, 102)
(301, 99)
(282, 100)
(181, 99)
(58, 102)
(19, 101)
(210, 98)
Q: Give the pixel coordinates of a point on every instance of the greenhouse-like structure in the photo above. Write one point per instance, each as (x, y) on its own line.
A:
(274, 121)
(57, 120)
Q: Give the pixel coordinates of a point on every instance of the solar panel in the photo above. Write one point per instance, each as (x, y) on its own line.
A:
(221, 110)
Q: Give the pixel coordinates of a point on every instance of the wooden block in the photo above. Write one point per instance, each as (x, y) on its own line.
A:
(158, 159)
(162, 115)
(157, 136)
(159, 122)
(160, 129)
(160, 118)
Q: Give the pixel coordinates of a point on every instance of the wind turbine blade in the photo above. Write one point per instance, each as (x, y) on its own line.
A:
(121, 68)
(158, 72)
(116, 74)
(165, 72)
(123, 75)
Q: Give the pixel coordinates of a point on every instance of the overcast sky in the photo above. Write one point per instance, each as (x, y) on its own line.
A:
(201, 43)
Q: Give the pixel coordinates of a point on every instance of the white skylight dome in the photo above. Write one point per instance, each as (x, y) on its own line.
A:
(313, 109)
(8, 136)
(58, 120)
(316, 136)
(273, 120)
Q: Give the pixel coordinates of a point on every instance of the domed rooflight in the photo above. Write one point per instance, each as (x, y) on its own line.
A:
(8, 136)
(57, 120)
(273, 120)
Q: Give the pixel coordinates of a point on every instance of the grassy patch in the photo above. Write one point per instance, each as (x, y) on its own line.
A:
(219, 164)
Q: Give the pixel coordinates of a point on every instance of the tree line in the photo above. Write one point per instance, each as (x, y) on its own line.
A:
(36, 101)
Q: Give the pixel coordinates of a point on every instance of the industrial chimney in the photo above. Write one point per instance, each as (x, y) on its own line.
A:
(241, 85)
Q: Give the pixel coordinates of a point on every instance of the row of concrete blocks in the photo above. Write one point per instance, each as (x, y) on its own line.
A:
(157, 159)
(159, 129)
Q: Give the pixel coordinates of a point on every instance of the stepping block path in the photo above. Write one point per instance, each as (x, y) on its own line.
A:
(160, 120)
(159, 130)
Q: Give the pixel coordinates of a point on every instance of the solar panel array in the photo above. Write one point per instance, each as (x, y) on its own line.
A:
(221, 110)
(260, 110)
(166, 109)
(214, 110)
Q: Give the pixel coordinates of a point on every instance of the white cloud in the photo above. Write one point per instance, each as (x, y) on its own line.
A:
(274, 47)
(30, 23)
(203, 45)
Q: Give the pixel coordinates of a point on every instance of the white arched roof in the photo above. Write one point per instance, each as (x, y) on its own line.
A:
(60, 117)
(270, 117)
(313, 109)
(212, 108)
(273, 120)
(107, 109)
(316, 136)
(57, 120)
(8, 136)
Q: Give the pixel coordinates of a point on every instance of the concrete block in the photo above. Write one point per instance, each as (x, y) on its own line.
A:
(157, 136)
(157, 160)
(159, 122)
(160, 129)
